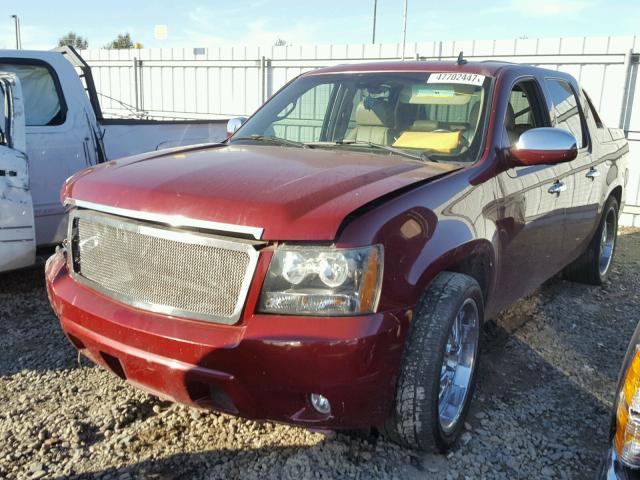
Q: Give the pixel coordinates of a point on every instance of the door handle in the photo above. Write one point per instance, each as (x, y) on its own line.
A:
(592, 173)
(557, 187)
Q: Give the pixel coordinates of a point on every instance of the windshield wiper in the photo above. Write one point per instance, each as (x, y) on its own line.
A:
(422, 157)
(269, 138)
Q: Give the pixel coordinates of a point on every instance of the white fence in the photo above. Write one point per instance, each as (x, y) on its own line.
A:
(228, 81)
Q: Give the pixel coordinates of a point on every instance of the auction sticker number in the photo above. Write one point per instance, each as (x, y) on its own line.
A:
(460, 78)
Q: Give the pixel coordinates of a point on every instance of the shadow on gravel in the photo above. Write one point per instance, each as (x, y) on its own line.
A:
(30, 335)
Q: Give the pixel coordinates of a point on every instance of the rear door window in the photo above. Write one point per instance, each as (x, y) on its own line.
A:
(566, 110)
(43, 104)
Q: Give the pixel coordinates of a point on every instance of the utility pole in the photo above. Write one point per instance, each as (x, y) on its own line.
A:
(16, 22)
(375, 8)
(404, 28)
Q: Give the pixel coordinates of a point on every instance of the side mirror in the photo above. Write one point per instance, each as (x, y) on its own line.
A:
(234, 124)
(544, 146)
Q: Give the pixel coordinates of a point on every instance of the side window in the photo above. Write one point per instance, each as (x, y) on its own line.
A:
(302, 121)
(523, 110)
(4, 114)
(566, 110)
(42, 103)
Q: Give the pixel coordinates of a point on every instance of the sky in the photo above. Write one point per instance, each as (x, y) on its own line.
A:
(261, 22)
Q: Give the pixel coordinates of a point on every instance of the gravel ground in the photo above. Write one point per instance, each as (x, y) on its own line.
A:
(541, 410)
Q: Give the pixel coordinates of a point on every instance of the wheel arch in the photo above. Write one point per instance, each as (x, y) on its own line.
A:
(475, 258)
(617, 194)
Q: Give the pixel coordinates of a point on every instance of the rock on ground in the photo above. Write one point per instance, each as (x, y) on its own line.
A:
(542, 408)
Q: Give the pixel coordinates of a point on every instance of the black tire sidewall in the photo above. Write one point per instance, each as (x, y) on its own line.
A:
(443, 439)
(611, 204)
(415, 420)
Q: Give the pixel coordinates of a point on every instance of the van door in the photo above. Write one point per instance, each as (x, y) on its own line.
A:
(17, 232)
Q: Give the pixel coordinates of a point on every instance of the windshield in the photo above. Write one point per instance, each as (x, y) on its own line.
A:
(438, 116)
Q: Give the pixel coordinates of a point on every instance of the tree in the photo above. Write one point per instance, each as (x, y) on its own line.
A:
(123, 41)
(74, 40)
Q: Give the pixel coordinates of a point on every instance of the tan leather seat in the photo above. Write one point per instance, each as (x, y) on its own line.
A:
(373, 125)
(510, 125)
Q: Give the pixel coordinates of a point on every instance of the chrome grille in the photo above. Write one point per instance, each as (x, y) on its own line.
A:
(160, 269)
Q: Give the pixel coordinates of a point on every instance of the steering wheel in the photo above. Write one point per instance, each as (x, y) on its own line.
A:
(442, 130)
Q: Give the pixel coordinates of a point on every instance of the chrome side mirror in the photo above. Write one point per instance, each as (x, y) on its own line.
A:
(234, 124)
(544, 145)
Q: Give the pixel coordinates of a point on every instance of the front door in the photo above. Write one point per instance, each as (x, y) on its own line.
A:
(533, 205)
(17, 233)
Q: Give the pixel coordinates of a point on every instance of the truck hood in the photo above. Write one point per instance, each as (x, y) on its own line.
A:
(291, 193)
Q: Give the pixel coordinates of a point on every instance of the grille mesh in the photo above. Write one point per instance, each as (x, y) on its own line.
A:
(205, 280)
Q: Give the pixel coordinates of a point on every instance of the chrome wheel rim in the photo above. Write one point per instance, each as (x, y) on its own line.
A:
(458, 363)
(607, 241)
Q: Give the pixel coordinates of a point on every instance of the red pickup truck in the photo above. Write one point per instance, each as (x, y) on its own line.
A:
(331, 264)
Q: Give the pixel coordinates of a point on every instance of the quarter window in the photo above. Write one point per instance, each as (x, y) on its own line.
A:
(566, 110)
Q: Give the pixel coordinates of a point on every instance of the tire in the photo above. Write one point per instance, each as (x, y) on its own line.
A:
(415, 421)
(594, 264)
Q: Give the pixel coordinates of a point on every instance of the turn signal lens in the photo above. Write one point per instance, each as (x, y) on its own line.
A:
(627, 438)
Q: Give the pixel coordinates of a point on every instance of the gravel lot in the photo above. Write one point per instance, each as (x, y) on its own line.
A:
(541, 411)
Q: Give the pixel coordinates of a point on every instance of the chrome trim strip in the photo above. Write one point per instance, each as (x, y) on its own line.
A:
(171, 220)
(247, 246)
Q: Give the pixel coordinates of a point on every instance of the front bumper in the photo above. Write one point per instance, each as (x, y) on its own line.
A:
(265, 367)
(612, 469)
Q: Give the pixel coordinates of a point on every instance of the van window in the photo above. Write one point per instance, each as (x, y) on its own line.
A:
(566, 110)
(42, 103)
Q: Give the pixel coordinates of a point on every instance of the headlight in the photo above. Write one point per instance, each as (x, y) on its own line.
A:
(627, 439)
(323, 281)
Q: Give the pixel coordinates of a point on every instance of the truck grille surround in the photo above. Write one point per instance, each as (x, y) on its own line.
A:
(161, 269)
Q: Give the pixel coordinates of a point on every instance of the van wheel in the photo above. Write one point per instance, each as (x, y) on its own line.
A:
(594, 264)
(438, 373)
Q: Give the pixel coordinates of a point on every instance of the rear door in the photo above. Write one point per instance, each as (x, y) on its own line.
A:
(582, 212)
(17, 232)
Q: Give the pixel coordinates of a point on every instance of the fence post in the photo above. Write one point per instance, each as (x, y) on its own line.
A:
(135, 81)
(140, 76)
(626, 88)
(263, 79)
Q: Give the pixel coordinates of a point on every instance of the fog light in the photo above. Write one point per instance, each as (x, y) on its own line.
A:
(320, 403)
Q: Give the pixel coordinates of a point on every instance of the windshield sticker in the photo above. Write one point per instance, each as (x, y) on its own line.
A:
(459, 78)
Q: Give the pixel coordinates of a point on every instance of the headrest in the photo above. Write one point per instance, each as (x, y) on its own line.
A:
(473, 115)
(510, 118)
(379, 115)
(425, 126)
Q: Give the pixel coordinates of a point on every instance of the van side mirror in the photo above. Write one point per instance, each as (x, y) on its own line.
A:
(544, 145)
(234, 124)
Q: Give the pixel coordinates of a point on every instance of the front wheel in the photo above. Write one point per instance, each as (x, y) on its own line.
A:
(438, 374)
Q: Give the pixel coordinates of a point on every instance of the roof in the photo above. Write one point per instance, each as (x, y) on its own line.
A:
(488, 68)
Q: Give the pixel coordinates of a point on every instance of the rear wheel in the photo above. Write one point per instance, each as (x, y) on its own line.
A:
(594, 264)
(439, 367)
